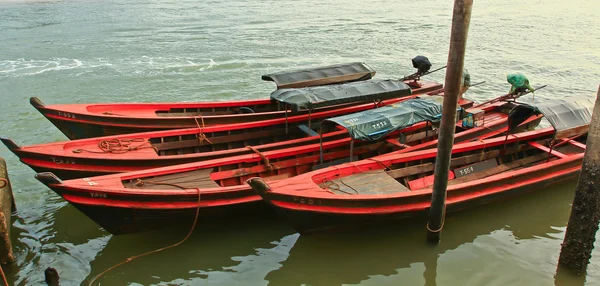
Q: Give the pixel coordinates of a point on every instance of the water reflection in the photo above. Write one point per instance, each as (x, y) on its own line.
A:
(217, 254)
(377, 255)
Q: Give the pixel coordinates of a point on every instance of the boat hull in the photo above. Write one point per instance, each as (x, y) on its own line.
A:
(343, 197)
(307, 222)
(77, 121)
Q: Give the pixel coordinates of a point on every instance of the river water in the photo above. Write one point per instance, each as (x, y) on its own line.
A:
(162, 50)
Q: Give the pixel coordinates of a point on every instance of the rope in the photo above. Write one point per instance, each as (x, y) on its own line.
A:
(4, 277)
(118, 146)
(441, 225)
(160, 249)
(201, 136)
(268, 164)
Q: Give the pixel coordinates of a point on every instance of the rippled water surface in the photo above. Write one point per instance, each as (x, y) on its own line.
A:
(152, 50)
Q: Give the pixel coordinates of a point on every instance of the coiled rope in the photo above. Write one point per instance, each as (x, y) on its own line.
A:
(140, 182)
(118, 146)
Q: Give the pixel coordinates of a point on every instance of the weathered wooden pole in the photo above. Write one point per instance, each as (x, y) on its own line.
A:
(6, 208)
(456, 60)
(579, 240)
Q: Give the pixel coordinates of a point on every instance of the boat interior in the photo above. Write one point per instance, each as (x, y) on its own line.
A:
(228, 175)
(418, 174)
(232, 139)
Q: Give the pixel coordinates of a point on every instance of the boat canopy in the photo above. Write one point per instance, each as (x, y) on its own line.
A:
(321, 75)
(568, 117)
(327, 95)
(376, 123)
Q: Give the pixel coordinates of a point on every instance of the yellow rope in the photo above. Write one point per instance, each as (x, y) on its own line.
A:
(156, 250)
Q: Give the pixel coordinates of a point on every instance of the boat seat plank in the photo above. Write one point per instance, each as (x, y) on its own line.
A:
(396, 142)
(334, 162)
(570, 149)
(548, 150)
(193, 113)
(499, 169)
(412, 170)
(574, 143)
(307, 131)
(218, 140)
(371, 183)
(189, 180)
(276, 177)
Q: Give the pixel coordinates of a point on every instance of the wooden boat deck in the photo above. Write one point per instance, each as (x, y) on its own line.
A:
(369, 183)
(188, 180)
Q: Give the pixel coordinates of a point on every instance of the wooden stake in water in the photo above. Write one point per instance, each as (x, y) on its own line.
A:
(6, 209)
(456, 60)
(579, 240)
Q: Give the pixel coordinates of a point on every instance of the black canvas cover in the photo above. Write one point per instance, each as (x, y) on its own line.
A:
(376, 123)
(326, 95)
(321, 75)
(562, 114)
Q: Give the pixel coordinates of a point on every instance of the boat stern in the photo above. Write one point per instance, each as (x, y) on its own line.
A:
(48, 179)
(11, 145)
(36, 102)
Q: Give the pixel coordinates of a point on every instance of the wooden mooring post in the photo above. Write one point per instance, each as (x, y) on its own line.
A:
(456, 59)
(579, 240)
(6, 209)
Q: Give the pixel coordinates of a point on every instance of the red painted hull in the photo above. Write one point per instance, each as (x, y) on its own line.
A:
(309, 208)
(78, 121)
(64, 160)
(120, 209)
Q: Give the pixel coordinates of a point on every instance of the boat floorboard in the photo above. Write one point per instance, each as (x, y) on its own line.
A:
(368, 183)
(189, 180)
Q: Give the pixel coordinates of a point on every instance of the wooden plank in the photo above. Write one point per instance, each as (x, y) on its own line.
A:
(334, 162)
(276, 177)
(499, 169)
(572, 131)
(365, 183)
(189, 180)
(477, 167)
(455, 162)
(218, 140)
(394, 141)
(412, 170)
(547, 150)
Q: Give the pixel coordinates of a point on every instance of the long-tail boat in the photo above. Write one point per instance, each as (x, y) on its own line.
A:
(154, 198)
(79, 121)
(131, 152)
(399, 186)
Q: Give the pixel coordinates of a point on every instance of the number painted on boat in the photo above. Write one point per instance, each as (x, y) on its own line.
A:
(62, 161)
(98, 195)
(90, 182)
(379, 124)
(66, 114)
(309, 201)
(351, 120)
(466, 171)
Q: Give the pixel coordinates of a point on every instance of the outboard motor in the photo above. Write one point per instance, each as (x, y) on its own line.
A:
(422, 64)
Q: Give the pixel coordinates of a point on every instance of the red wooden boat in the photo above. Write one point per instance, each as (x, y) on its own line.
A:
(399, 185)
(131, 152)
(154, 198)
(79, 121)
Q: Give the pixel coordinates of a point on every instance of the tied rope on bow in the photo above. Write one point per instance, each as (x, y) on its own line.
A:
(266, 161)
(201, 136)
(118, 146)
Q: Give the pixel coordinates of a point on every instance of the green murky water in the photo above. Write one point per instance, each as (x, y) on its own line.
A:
(159, 50)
